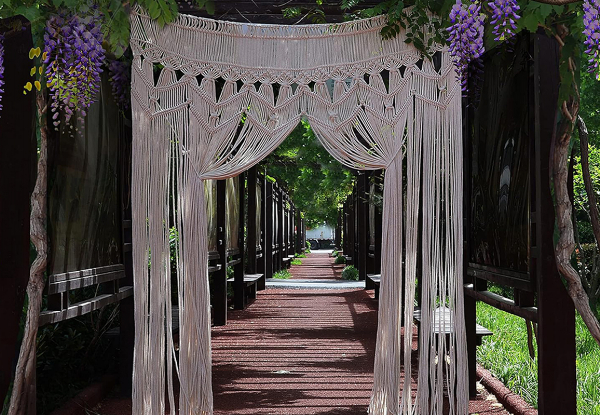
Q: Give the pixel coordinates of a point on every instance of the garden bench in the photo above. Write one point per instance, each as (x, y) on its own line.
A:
(447, 326)
(251, 282)
(286, 261)
(372, 282)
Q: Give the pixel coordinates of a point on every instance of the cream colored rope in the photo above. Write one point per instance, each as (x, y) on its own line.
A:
(210, 100)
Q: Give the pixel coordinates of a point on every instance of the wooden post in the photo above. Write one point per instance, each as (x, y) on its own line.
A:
(362, 226)
(280, 226)
(556, 313)
(268, 225)
(239, 299)
(251, 178)
(299, 246)
(16, 161)
(285, 223)
(126, 309)
(219, 278)
(338, 230)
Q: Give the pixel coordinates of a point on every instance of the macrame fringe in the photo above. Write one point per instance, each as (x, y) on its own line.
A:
(374, 104)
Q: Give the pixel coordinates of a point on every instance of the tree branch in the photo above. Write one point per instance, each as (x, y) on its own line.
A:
(557, 2)
(23, 393)
(565, 244)
(587, 179)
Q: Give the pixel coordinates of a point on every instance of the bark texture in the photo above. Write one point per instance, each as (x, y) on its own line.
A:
(23, 393)
(566, 241)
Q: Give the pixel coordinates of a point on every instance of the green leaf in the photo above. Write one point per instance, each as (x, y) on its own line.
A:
(530, 22)
(210, 7)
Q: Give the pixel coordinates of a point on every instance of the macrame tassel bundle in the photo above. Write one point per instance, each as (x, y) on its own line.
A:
(227, 95)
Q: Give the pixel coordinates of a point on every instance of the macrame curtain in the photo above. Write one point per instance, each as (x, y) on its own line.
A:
(210, 100)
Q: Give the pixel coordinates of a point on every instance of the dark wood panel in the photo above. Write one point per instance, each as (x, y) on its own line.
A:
(269, 12)
(16, 162)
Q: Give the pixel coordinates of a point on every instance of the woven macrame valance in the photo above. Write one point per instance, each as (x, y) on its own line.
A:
(210, 100)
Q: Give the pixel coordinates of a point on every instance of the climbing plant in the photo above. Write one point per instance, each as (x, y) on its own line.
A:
(75, 40)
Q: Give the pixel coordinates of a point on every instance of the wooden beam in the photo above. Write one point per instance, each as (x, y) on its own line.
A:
(239, 300)
(219, 278)
(556, 313)
(84, 307)
(16, 165)
(270, 12)
(268, 227)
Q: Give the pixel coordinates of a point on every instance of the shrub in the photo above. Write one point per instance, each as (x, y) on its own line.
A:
(300, 256)
(340, 259)
(350, 273)
(307, 247)
(335, 253)
(283, 274)
(296, 261)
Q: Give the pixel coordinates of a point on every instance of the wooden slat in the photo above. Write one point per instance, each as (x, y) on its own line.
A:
(376, 278)
(502, 303)
(84, 281)
(85, 273)
(84, 307)
(214, 268)
(234, 262)
(447, 324)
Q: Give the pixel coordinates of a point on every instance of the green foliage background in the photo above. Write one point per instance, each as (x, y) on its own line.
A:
(317, 183)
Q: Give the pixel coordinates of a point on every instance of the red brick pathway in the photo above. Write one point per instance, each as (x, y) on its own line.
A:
(297, 351)
(317, 266)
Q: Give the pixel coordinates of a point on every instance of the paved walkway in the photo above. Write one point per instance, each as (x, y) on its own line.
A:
(299, 351)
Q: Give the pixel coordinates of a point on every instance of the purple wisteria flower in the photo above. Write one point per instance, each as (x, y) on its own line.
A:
(466, 37)
(591, 10)
(1, 68)
(504, 17)
(120, 79)
(74, 56)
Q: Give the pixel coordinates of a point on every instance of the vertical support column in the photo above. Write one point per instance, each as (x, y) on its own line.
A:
(556, 313)
(285, 222)
(126, 306)
(219, 279)
(239, 298)
(299, 246)
(363, 226)
(268, 224)
(292, 230)
(251, 178)
(338, 231)
(280, 226)
(470, 304)
(16, 162)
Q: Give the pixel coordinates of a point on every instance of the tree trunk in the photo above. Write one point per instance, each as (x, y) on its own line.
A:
(23, 393)
(593, 206)
(566, 243)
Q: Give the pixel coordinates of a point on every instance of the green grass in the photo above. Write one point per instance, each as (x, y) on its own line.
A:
(283, 274)
(506, 355)
(296, 261)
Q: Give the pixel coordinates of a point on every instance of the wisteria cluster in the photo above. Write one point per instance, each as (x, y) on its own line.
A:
(74, 56)
(591, 12)
(504, 18)
(1, 68)
(466, 37)
(120, 79)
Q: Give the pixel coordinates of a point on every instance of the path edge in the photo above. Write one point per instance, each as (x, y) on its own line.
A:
(511, 401)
